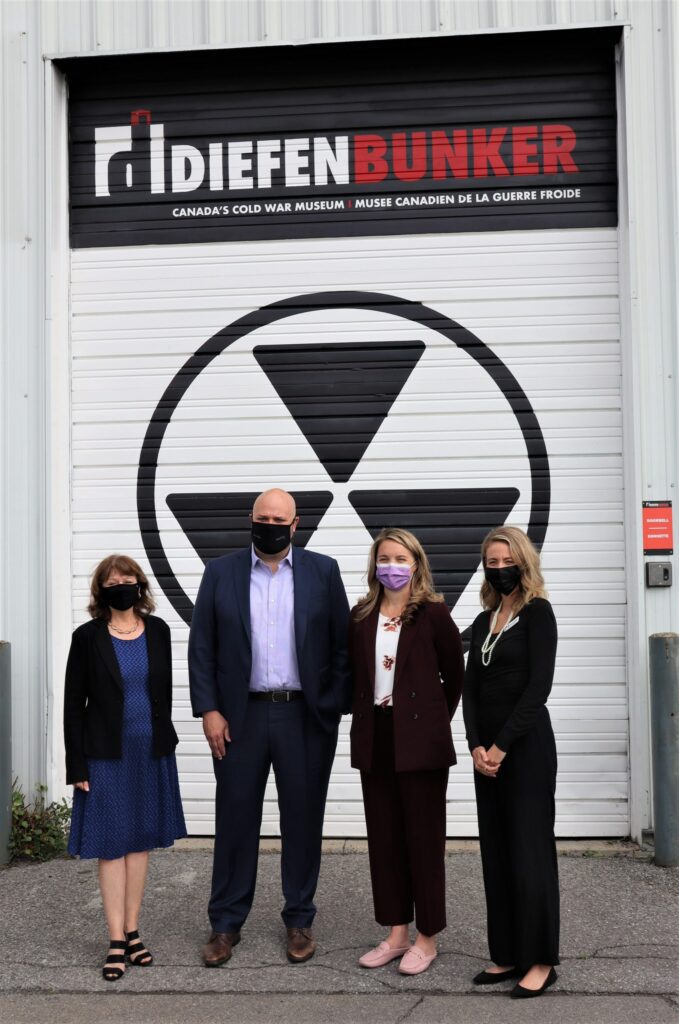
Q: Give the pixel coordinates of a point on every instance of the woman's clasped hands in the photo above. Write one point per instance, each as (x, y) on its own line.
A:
(487, 762)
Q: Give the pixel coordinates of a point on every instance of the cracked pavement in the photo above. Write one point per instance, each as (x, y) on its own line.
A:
(619, 949)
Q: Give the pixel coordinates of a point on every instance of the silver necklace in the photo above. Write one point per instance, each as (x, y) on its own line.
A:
(489, 643)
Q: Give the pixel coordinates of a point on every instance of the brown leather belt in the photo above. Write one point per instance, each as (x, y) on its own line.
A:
(276, 696)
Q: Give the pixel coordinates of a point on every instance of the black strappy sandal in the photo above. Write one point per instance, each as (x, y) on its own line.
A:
(136, 952)
(109, 972)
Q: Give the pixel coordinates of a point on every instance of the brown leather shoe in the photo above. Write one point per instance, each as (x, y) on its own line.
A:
(301, 945)
(219, 948)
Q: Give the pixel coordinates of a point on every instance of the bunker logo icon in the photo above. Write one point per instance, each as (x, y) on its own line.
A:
(339, 395)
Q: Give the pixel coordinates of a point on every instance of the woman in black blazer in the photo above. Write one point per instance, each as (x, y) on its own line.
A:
(508, 679)
(120, 745)
(407, 667)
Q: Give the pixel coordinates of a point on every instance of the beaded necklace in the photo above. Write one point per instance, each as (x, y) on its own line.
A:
(489, 644)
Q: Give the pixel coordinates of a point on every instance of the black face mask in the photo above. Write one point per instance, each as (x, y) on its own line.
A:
(504, 580)
(122, 596)
(271, 538)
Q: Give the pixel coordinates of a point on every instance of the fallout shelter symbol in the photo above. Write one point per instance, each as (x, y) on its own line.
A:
(339, 395)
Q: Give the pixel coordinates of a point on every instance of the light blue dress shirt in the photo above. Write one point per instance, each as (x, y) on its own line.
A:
(272, 626)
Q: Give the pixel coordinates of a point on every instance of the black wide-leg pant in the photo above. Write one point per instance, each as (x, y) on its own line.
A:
(518, 851)
(405, 814)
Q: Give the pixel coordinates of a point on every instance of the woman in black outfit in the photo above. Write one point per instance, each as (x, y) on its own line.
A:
(507, 682)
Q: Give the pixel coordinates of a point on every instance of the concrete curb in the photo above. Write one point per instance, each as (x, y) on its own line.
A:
(565, 847)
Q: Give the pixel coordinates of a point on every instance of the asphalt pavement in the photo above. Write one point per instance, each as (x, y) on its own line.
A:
(620, 947)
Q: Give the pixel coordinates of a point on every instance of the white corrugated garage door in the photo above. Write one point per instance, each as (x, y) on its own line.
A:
(545, 303)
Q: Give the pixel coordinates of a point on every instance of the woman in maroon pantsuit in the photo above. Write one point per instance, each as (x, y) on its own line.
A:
(407, 668)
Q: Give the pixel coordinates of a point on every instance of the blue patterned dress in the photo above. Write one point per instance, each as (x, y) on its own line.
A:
(133, 803)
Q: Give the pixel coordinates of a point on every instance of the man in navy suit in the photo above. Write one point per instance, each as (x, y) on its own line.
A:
(269, 676)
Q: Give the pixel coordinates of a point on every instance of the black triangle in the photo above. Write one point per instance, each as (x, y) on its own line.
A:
(450, 525)
(339, 395)
(216, 524)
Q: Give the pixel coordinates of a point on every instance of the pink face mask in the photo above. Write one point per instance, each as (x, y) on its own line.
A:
(393, 577)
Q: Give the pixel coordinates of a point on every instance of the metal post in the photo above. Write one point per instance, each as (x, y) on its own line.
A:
(664, 659)
(5, 752)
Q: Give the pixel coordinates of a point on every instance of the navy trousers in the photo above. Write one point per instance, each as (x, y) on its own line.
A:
(287, 737)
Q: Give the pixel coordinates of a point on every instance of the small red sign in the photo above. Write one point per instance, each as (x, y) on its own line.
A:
(658, 530)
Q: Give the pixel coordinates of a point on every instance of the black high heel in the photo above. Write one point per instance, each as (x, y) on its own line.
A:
(113, 973)
(136, 952)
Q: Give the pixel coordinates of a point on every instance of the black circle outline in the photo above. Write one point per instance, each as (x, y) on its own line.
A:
(376, 302)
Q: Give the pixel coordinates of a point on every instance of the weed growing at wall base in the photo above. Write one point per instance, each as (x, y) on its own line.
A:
(39, 830)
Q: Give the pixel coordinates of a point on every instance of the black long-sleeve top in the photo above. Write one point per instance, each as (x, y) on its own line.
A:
(501, 701)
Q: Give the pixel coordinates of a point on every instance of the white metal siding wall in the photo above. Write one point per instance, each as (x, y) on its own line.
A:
(69, 26)
(545, 302)
(650, 228)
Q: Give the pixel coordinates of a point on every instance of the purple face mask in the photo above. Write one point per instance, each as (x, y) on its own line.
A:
(393, 577)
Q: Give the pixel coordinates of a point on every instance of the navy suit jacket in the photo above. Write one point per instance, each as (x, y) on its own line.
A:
(220, 653)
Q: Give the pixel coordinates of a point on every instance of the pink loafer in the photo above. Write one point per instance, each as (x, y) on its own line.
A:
(381, 955)
(415, 962)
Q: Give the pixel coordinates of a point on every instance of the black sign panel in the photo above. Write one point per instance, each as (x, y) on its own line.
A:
(372, 138)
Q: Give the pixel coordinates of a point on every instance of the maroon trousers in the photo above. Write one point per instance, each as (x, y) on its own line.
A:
(405, 813)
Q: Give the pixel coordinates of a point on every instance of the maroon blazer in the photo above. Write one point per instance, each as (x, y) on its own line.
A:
(427, 688)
